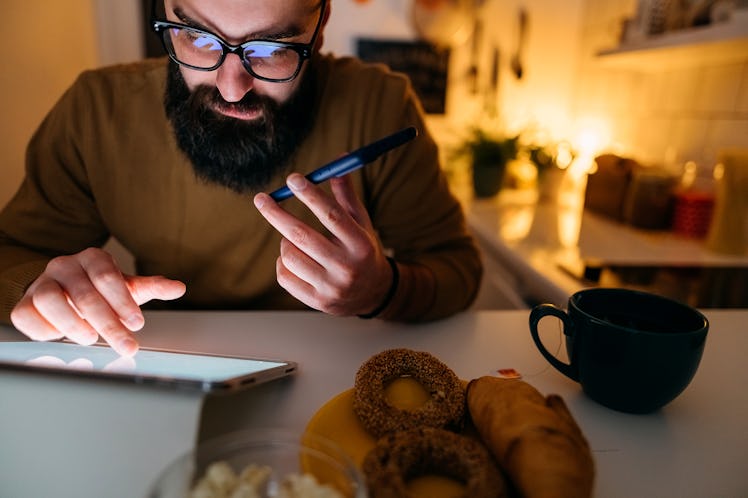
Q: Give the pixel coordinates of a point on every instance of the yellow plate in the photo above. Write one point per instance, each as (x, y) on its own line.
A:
(337, 421)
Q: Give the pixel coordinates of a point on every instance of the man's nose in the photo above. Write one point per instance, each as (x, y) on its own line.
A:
(232, 80)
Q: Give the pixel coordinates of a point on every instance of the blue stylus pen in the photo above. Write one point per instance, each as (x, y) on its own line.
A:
(353, 161)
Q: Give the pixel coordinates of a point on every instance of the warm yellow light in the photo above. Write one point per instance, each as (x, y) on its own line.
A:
(564, 155)
(689, 174)
(582, 165)
(588, 142)
(719, 171)
(569, 225)
(524, 172)
(515, 222)
(593, 135)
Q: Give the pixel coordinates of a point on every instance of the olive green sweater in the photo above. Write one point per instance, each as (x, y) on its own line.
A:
(105, 163)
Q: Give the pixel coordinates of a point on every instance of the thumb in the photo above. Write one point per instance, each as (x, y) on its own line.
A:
(144, 289)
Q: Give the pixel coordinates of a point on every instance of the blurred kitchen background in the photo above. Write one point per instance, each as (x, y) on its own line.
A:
(649, 95)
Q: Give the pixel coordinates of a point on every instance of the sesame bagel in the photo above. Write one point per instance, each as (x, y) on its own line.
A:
(445, 408)
(401, 456)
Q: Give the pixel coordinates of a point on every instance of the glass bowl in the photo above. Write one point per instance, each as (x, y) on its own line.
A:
(275, 455)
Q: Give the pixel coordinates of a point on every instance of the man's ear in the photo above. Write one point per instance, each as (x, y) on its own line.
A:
(321, 36)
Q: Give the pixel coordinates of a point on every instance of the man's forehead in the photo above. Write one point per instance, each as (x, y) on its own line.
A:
(245, 18)
(244, 6)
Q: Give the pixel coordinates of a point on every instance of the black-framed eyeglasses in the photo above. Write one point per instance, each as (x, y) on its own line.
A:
(266, 60)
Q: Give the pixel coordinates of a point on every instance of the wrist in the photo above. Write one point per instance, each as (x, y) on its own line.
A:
(390, 292)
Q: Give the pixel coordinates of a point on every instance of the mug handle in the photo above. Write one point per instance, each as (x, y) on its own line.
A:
(537, 314)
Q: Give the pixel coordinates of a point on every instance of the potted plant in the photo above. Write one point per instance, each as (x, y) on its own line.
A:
(489, 154)
(550, 161)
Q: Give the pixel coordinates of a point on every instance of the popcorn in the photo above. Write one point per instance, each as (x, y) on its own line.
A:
(305, 486)
(221, 477)
(220, 481)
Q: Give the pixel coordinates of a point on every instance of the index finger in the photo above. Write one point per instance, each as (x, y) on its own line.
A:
(107, 279)
(97, 312)
(334, 216)
(309, 240)
(91, 294)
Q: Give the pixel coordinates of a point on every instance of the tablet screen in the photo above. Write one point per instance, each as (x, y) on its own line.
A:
(207, 372)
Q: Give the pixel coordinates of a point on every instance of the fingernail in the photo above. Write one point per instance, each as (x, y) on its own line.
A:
(297, 182)
(134, 322)
(259, 200)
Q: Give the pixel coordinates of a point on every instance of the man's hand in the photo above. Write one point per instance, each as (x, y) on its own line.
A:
(343, 274)
(84, 296)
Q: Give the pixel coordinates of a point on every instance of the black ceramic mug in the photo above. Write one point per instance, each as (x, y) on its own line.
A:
(631, 351)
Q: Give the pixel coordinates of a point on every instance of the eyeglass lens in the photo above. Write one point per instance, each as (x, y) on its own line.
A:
(201, 50)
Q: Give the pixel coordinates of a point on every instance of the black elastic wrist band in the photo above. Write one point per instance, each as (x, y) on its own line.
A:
(390, 292)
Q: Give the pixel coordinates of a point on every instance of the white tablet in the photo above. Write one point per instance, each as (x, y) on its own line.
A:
(177, 369)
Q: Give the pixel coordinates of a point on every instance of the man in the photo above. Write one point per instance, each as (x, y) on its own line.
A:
(172, 158)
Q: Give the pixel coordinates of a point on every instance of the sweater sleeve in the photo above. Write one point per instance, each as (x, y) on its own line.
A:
(439, 264)
(425, 227)
(53, 212)
(417, 218)
(20, 268)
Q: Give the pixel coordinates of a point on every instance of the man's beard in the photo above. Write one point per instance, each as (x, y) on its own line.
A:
(241, 155)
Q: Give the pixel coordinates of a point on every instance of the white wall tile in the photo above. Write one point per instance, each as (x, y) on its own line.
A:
(742, 103)
(728, 133)
(719, 89)
(679, 90)
(692, 111)
(652, 139)
(624, 133)
(689, 137)
(648, 95)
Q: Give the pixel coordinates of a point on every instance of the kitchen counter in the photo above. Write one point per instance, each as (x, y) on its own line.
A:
(544, 251)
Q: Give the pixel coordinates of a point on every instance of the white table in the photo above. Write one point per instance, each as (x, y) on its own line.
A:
(80, 438)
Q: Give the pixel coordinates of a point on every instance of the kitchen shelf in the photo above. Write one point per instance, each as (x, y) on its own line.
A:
(716, 44)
